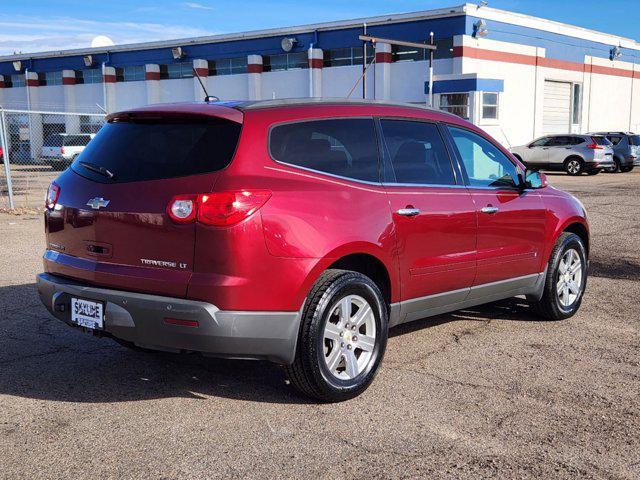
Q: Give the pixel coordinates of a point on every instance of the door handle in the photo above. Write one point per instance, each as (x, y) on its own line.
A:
(490, 209)
(408, 212)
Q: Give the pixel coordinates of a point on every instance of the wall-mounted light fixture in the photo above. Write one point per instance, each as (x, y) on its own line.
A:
(88, 60)
(480, 29)
(288, 43)
(17, 65)
(615, 53)
(177, 53)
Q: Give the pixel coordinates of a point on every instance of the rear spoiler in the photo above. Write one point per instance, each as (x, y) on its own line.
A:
(180, 110)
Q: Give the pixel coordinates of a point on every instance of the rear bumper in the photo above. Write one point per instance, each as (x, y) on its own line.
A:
(140, 319)
(600, 163)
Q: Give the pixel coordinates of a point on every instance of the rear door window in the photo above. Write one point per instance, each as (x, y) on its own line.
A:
(416, 153)
(634, 140)
(344, 147)
(601, 141)
(151, 149)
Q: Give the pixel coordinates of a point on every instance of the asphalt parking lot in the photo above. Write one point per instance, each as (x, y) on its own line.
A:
(489, 392)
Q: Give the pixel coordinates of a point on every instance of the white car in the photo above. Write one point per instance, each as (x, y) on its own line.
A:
(61, 149)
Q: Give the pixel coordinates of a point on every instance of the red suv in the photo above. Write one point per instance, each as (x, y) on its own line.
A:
(300, 232)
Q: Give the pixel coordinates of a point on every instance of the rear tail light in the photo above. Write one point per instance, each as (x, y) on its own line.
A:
(220, 209)
(594, 145)
(53, 194)
(61, 150)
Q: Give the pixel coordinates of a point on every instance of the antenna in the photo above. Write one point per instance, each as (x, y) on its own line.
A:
(207, 97)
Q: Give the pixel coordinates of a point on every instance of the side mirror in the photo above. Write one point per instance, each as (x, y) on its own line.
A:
(535, 179)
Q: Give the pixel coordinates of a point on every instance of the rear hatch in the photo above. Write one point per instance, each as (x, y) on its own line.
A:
(605, 150)
(110, 225)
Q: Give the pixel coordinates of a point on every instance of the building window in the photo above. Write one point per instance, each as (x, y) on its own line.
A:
(49, 78)
(14, 81)
(90, 75)
(400, 53)
(576, 103)
(228, 66)
(489, 106)
(176, 70)
(285, 61)
(133, 73)
(340, 57)
(456, 103)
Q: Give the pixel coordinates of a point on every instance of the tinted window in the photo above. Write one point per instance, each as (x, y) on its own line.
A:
(149, 150)
(601, 141)
(634, 139)
(53, 141)
(485, 164)
(417, 153)
(345, 147)
(577, 140)
(615, 139)
(541, 142)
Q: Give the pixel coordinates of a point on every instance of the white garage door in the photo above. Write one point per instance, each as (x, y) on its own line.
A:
(556, 114)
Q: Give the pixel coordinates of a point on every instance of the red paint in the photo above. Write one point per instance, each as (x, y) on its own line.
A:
(254, 68)
(507, 57)
(269, 259)
(109, 78)
(152, 75)
(68, 80)
(383, 57)
(316, 63)
(202, 72)
(33, 82)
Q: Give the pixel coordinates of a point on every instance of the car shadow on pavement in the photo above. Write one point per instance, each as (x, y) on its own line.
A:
(42, 358)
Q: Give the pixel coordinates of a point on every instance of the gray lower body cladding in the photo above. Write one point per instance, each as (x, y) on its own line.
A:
(140, 319)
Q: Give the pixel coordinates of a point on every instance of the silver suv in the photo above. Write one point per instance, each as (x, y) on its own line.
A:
(626, 150)
(574, 154)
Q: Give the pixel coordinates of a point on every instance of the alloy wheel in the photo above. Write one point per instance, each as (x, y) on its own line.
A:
(573, 167)
(569, 286)
(349, 337)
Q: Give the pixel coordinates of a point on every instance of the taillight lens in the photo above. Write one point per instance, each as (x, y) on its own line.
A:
(53, 194)
(61, 150)
(183, 208)
(220, 209)
(594, 145)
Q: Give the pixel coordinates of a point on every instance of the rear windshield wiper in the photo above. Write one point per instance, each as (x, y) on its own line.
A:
(101, 170)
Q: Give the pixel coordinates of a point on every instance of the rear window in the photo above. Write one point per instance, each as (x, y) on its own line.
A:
(53, 141)
(344, 147)
(601, 141)
(634, 139)
(137, 150)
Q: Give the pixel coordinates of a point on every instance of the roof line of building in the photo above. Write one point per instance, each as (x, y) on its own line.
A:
(226, 37)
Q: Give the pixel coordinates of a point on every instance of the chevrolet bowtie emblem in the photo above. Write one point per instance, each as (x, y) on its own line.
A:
(97, 203)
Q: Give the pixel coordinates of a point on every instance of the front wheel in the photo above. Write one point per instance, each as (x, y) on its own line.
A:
(565, 280)
(342, 339)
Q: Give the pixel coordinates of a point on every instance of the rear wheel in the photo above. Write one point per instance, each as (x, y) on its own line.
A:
(565, 280)
(626, 169)
(616, 167)
(342, 339)
(573, 166)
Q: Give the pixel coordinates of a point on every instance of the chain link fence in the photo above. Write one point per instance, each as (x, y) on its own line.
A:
(36, 146)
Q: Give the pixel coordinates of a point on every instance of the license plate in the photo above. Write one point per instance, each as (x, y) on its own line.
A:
(87, 313)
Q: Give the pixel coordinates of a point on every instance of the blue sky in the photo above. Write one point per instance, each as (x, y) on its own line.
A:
(41, 25)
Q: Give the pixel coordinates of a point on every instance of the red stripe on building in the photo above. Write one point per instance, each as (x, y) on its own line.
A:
(152, 75)
(383, 57)
(202, 72)
(491, 55)
(1, 84)
(33, 82)
(254, 68)
(109, 78)
(316, 63)
(68, 80)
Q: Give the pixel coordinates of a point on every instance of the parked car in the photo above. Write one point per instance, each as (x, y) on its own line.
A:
(61, 149)
(626, 150)
(300, 232)
(574, 154)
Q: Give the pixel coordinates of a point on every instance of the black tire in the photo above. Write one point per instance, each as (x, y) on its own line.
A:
(550, 306)
(626, 169)
(309, 372)
(574, 166)
(616, 167)
(595, 171)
